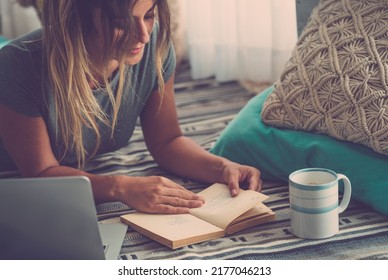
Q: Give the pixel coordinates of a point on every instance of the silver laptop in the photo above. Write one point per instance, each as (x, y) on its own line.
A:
(54, 218)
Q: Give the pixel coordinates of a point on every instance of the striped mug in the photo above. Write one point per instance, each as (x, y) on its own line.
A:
(314, 208)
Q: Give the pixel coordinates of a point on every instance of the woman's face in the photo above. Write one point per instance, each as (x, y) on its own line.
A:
(144, 17)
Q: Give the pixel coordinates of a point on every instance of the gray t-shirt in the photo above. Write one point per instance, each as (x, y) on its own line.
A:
(24, 88)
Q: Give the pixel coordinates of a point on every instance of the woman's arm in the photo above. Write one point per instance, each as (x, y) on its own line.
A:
(183, 156)
(27, 142)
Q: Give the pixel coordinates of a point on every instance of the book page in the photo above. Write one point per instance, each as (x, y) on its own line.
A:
(220, 208)
(170, 229)
(253, 212)
(239, 225)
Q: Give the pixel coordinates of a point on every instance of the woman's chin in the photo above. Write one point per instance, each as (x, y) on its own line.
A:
(134, 59)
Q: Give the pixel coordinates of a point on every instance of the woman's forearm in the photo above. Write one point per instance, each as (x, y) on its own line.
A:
(184, 157)
(102, 186)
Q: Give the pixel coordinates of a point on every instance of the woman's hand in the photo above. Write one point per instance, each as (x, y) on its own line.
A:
(234, 174)
(155, 194)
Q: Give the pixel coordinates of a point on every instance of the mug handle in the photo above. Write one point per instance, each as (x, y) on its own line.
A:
(347, 193)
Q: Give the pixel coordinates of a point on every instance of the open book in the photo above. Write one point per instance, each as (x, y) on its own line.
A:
(220, 215)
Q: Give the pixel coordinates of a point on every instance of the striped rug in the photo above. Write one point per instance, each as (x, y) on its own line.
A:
(205, 107)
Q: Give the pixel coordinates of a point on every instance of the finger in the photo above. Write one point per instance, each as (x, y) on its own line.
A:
(255, 183)
(181, 193)
(234, 187)
(168, 209)
(179, 202)
(174, 189)
(260, 186)
(233, 183)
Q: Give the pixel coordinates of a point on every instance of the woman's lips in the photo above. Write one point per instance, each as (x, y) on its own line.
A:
(136, 50)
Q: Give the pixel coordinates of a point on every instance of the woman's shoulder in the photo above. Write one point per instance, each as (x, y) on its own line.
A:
(22, 53)
(30, 43)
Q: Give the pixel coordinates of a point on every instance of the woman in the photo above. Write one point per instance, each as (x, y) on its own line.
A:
(76, 88)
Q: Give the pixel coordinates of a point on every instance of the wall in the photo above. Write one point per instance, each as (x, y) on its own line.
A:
(16, 20)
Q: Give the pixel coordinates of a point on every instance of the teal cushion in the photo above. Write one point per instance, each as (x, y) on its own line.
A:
(278, 152)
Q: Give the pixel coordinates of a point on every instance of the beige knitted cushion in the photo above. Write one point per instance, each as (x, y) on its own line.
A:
(336, 80)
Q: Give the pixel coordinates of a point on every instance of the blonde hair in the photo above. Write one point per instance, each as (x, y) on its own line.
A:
(66, 25)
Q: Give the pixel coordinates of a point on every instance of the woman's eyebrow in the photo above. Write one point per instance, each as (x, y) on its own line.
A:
(150, 10)
(153, 7)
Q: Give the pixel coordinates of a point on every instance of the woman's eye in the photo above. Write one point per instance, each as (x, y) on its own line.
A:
(149, 16)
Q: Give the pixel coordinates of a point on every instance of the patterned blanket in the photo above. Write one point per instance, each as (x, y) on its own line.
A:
(205, 108)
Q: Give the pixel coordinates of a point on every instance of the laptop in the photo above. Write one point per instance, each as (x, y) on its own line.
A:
(54, 218)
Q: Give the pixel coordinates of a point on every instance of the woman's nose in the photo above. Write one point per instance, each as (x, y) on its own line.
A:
(142, 33)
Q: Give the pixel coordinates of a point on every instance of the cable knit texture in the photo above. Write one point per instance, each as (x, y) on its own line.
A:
(335, 83)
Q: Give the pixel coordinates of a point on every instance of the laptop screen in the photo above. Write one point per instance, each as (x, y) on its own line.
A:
(48, 218)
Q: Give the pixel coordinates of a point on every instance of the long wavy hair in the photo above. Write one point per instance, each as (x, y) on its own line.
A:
(67, 23)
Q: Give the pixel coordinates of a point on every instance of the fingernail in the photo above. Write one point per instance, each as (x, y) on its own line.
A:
(198, 203)
(234, 192)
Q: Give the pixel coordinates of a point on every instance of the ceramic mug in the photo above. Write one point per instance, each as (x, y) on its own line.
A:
(314, 208)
